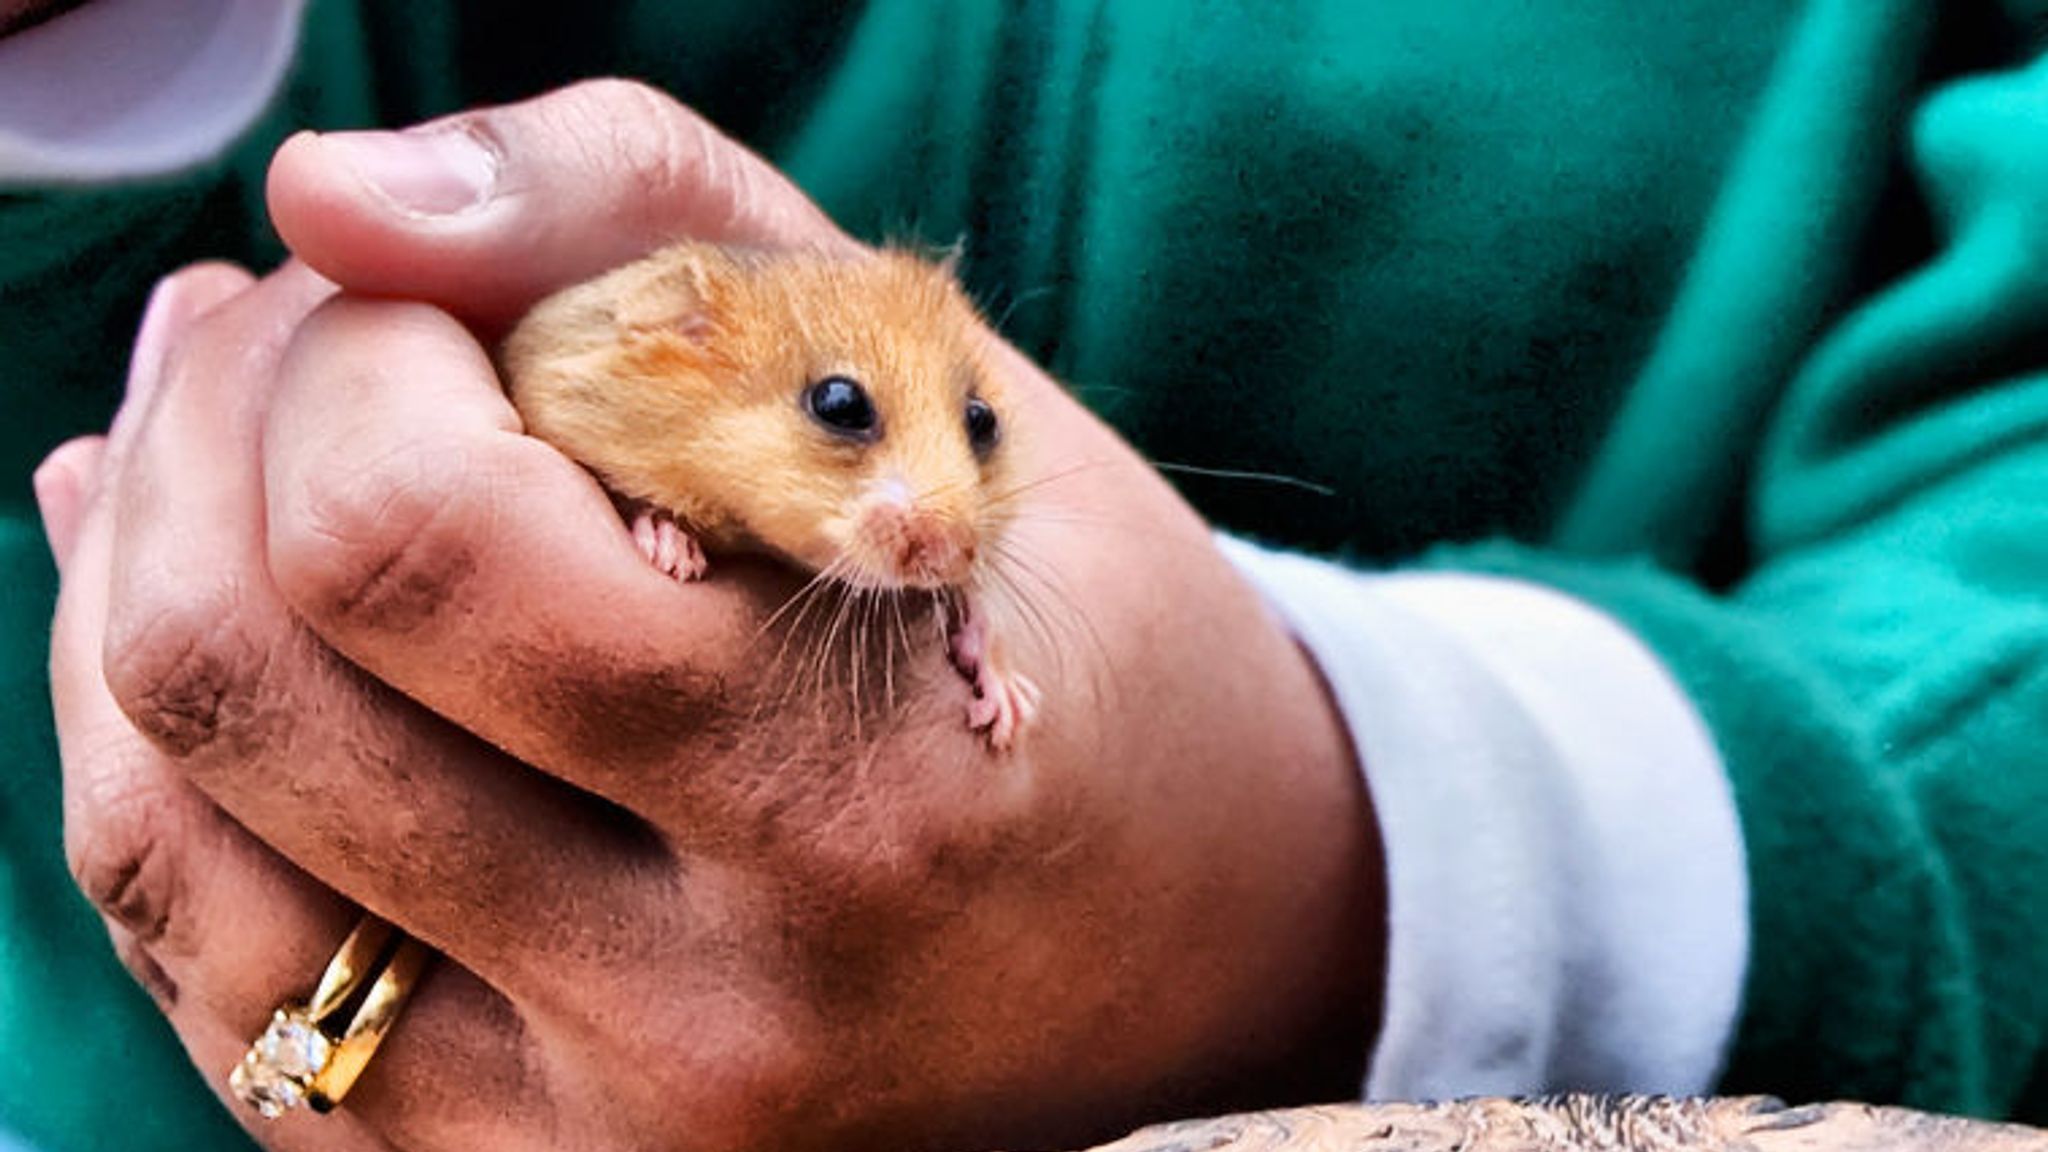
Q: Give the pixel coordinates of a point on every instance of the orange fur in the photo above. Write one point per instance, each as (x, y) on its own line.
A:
(678, 380)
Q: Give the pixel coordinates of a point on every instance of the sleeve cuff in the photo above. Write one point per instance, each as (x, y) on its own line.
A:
(1567, 895)
(121, 89)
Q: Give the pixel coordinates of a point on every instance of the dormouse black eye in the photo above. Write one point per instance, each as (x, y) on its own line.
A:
(842, 406)
(982, 431)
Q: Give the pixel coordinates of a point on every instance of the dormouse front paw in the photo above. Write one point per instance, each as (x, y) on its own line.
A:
(1005, 701)
(668, 546)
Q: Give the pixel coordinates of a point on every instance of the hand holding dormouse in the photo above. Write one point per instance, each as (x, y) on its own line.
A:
(335, 631)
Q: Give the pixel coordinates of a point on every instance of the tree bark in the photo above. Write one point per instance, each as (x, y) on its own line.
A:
(1587, 1124)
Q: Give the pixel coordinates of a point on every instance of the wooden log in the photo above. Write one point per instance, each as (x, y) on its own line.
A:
(1587, 1124)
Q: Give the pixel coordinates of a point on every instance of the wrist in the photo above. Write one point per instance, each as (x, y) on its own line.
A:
(1338, 953)
(1314, 941)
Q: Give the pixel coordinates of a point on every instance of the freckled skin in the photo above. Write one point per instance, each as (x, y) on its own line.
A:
(681, 381)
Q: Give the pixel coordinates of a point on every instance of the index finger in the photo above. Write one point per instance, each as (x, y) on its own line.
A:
(420, 532)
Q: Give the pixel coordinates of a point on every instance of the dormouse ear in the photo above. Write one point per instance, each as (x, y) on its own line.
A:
(677, 289)
(952, 256)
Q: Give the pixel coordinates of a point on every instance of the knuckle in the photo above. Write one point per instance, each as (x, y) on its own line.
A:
(135, 956)
(626, 112)
(381, 545)
(123, 857)
(188, 674)
(617, 98)
(661, 150)
(667, 158)
(205, 286)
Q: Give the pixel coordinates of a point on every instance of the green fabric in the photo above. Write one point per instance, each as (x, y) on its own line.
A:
(1724, 316)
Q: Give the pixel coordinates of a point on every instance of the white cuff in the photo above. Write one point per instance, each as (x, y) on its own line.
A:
(1567, 899)
(127, 88)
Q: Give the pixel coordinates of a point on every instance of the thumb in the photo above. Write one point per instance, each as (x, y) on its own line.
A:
(485, 212)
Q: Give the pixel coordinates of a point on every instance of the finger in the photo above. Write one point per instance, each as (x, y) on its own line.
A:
(453, 1065)
(215, 1046)
(112, 791)
(220, 929)
(73, 476)
(62, 482)
(485, 212)
(140, 838)
(175, 304)
(479, 571)
(486, 860)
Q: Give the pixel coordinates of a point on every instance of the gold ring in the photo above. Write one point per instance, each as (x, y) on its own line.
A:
(300, 1059)
(366, 1031)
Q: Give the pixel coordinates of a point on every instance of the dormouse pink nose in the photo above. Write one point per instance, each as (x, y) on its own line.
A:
(924, 548)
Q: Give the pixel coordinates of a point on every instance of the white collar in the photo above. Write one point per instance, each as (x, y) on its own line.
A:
(119, 89)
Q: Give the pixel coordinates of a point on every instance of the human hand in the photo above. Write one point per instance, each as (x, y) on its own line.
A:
(681, 905)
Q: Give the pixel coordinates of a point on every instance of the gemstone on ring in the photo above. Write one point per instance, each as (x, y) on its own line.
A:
(279, 1067)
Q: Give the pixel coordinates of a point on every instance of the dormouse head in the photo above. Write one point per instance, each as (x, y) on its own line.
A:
(840, 411)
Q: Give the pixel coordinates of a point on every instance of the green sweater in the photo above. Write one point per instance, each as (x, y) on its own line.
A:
(1725, 317)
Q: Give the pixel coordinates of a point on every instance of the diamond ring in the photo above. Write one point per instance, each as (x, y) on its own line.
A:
(300, 1060)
